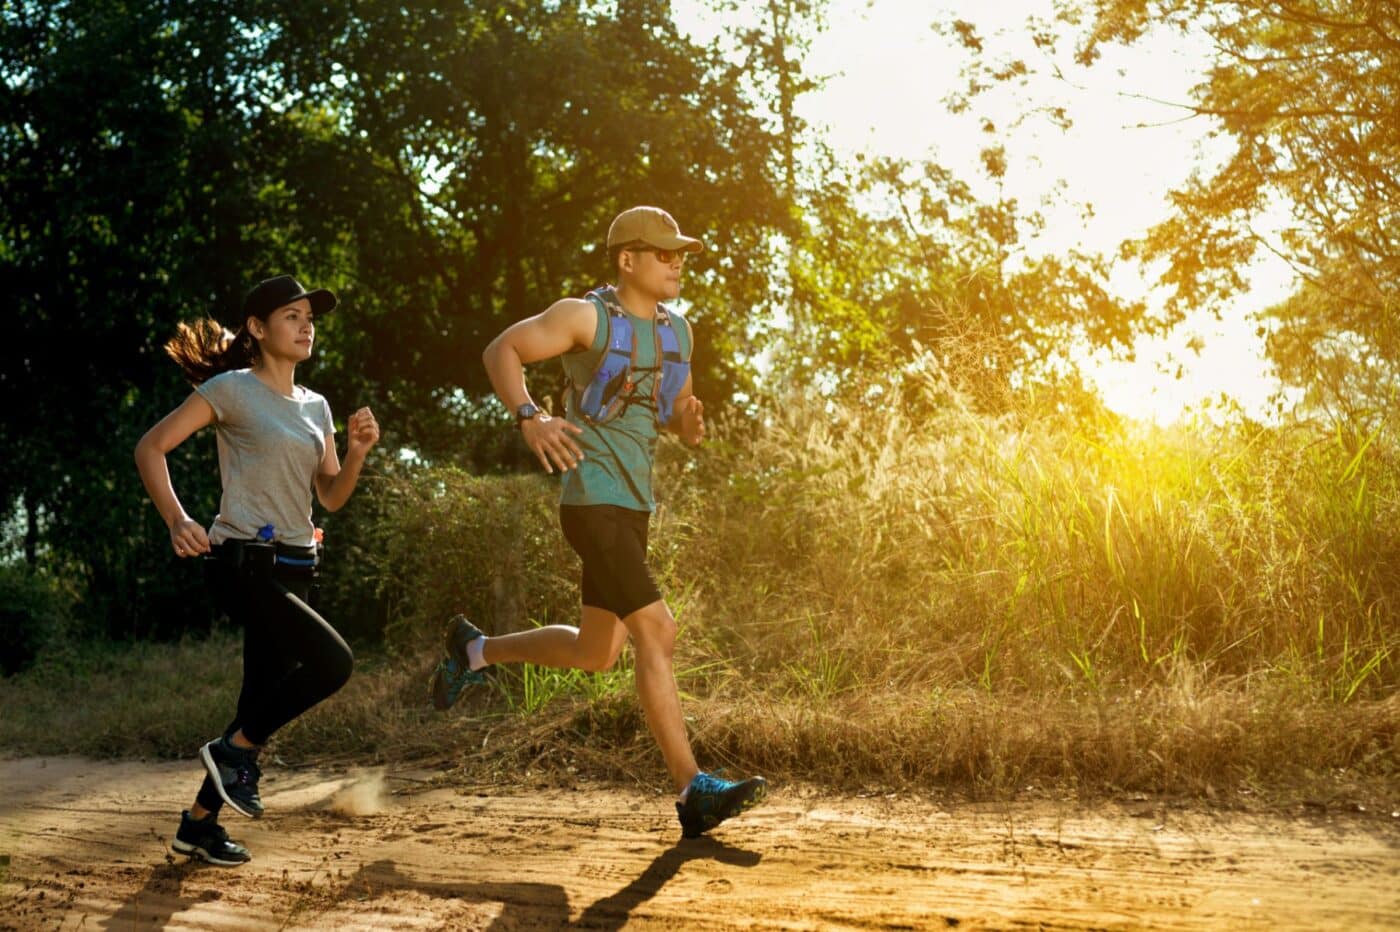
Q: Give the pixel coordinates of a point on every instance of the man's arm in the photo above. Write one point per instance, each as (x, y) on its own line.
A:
(568, 325)
(687, 416)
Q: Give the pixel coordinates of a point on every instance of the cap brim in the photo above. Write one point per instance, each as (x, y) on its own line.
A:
(687, 243)
(322, 301)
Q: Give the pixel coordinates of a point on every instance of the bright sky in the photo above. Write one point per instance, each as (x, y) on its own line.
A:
(890, 73)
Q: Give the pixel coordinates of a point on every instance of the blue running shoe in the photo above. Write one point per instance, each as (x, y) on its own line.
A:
(454, 673)
(710, 800)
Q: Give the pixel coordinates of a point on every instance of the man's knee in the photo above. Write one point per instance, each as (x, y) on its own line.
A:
(602, 656)
(653, 628)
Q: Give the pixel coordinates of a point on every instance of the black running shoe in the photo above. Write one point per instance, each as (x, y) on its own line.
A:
(235, 772)
(454, 673)
(710, 800)
(206, 839)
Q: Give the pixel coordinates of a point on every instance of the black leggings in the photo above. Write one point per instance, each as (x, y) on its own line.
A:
(292, 657)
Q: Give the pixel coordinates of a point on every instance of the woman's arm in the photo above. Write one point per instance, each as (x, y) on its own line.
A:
(187, 536)
(336, 481)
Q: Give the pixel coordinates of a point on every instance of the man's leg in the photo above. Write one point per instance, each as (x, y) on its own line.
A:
(705, 799)
(653, 631)
(593, 646)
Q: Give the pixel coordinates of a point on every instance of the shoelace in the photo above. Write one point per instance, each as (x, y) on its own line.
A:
(709, 783)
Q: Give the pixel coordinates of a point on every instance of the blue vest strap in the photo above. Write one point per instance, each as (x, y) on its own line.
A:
(611, 388)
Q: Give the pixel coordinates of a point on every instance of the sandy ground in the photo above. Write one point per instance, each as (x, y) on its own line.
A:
(84, 845)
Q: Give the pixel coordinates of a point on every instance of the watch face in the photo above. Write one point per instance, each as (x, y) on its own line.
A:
(526, 411)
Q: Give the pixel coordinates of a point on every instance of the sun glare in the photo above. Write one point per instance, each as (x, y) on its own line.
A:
(1102, 182)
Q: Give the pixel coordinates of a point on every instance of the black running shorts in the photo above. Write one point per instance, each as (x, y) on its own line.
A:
(612, 542)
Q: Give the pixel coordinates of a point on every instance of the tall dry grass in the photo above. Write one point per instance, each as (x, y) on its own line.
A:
(909, 590)
(904, 591)
(842, 548)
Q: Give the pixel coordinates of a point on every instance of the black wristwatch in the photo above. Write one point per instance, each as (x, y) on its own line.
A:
(525, 413)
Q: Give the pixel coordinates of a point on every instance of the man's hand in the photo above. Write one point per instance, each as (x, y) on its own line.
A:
(692, 421)
(364, 432)
(552, 440)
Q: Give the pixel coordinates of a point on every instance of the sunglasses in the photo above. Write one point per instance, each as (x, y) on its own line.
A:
(664, 256)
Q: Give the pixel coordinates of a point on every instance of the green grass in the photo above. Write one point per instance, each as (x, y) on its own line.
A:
(162, 700)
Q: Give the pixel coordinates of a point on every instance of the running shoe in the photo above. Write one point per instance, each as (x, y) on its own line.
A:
(710, 800)
(235, 773)
(206, 839)
(454, 673)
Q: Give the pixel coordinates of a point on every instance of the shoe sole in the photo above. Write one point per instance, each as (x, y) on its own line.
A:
(213, 770)
(438, 688)
(759, 795)
(195, 851)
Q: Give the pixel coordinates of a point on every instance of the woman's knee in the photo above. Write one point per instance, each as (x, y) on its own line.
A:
(340, 664)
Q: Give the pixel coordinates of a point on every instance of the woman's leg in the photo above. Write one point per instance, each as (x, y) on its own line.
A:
(315, 662)
(305, 661)
(226, 585)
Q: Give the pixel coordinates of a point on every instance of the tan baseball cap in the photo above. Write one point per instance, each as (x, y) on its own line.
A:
(650, 225)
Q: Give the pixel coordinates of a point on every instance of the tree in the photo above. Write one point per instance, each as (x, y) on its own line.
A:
(886, 258)
(1308, 91)
(513, 132)
(135, 187)
(899, 258)
(446, 168)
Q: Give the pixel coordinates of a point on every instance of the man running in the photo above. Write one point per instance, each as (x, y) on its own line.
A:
(627, 358)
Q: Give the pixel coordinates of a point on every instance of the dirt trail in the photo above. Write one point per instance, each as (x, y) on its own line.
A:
(84, 845)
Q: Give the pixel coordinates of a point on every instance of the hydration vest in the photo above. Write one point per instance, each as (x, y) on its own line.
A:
(612, 387)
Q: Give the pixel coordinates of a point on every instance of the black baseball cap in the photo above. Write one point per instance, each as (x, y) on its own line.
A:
(270, 294)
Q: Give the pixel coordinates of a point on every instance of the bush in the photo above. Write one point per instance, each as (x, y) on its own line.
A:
(34, 610)
(441, 541)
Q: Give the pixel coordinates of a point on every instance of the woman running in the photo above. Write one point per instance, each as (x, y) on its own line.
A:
(276, 443)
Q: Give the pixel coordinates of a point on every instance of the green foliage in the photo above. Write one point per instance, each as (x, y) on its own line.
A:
(539, 686)
(34, 612)
(450, 168)
(941, 512)
(446, 169)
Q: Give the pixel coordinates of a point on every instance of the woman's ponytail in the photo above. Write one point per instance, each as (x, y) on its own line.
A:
(202, 349)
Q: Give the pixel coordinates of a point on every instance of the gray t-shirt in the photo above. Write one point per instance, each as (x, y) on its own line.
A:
(270, 448)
